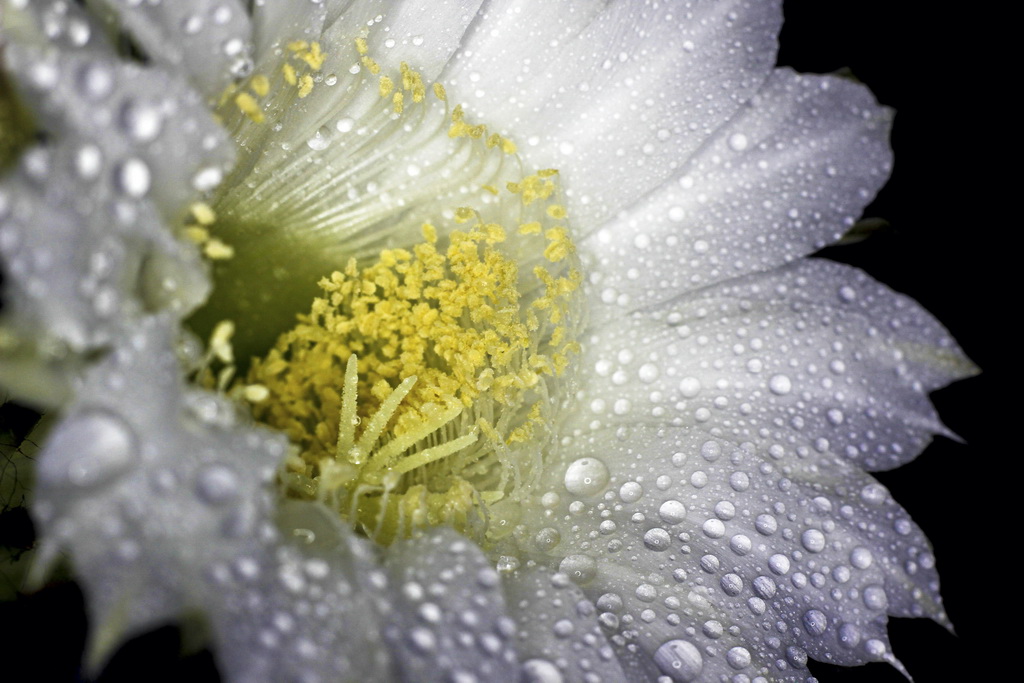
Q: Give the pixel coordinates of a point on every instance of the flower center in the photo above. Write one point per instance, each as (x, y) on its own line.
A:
(421, 386)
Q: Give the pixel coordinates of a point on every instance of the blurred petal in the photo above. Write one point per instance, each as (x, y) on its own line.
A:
(83, 215)
(207, 41)
(557, 631)
(149, 484)
(448, 621)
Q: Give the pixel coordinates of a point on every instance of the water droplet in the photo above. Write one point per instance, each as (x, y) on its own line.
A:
(88, 450)
(740, 544)
(875, 494)
(738, 658)
(422, 639)
(207, 178)
(815, 622)
(547, 539)
(133, 177)
(648, 372)
(849, 635)
(780, 385)
(813, 540)
(738, 142)
(96, 80)
(657, 539)
(672, 512)
(321, 140)
(766, 524)
(713, 528)
(586, 477)
(731, 584)
(765, 587)
(88, 162)
(860, 557)
(630, 492)
(875, 597)
(142, 122)
(580, 568)
(779, 564)
(680, 660)
(689, 387)
(540, 671)
(217, 484)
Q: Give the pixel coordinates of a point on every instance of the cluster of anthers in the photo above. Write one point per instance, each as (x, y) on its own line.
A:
(418, 389)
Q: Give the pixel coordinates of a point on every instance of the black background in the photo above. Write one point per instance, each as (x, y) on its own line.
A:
(934, 250)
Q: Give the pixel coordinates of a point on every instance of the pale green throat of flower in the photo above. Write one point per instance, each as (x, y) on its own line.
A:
(421, 386)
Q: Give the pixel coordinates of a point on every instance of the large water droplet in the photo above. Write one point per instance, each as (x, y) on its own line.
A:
(680, 660)
(88, 450)
(586, 477)
(141, 121)
(580, 568)
(780, 384)
(815, 622)
(134, 178)
(540, 671)
(217, 484)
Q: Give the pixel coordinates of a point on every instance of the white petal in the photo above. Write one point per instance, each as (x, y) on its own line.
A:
(165, 504)
(712, 472)
(148, 485)
(83, 215)
(423, 34)
(613, 86)
(789, 174)
(558, 635)
(277, 23)
(700, 540)
(816, 360)
(207, 40)
(300, 608)
(447, 622)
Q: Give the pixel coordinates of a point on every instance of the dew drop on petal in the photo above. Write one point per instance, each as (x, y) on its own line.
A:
(815, 622)
(586, 477)
(780, 385)
(207, 179)
(672, 512)
(216, 485)
(580, 568)
(813, 541)
(680, 660)
(88, 450)
(738, 658)
(134, 177)
(657, 539)
(689, 387)
(142, 122)
(540, 671)
(630, 492)
(738, 142)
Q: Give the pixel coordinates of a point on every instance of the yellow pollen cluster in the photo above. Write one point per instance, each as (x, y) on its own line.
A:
(306, 58)
(461, 129)
(198, 231)
(447, 351)
(410, 82)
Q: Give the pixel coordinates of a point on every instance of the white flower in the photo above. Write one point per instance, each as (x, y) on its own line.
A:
(684, 496)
